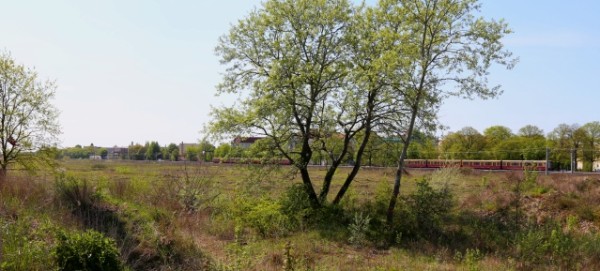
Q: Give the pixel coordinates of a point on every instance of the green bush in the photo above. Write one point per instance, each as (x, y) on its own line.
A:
(358, 229)
(548, 245)
(23, 247)
(265, 217)
(86, 251)
(424, 210)
(295, 204)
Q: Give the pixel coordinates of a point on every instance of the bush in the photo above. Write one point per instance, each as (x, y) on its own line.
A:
(424, 210)
(24, 246)
(265, 217)
(86, 251)
(295, 204)
(358, 229)
(546, 246)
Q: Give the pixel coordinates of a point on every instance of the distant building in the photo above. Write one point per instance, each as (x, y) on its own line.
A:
(117, 152)
(244, 142)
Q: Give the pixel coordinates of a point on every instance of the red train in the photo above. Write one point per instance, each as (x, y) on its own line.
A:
(539, 165)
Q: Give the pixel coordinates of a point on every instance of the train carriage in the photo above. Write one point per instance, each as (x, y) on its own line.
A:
(415, 163)
(482, 164)
(537, 165)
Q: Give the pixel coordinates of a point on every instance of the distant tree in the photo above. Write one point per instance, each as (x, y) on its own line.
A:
(531, 131)
(207, 150)
(564, 140)
(496, 134)
(591, 141)
(192, 153)
(152, 150)
(174, 155)
(103, 152)
(422, 146)
(466, 143)
(76, 152)
(28, 121)
(222, 151)
(137, 152)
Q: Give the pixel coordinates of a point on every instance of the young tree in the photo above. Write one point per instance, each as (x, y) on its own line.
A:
(28, 121)
(446, 47)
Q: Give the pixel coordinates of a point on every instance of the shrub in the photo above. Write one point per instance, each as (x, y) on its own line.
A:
(424, 210)
(549, 245)
(196, 192)
(265, 217)
(86, 251)
(295, 204)
(358, 229)
(24, 245)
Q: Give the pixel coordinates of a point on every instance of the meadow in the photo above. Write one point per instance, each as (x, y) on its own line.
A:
(195, 216)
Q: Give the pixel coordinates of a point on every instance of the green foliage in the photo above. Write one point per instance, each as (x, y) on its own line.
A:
(466, 143)
(295, 204)
(29, 120)
(77, 193)
(470, 258)
(152, 150)
(90, 250)
(196, 192)
(222, 150)
(137, 152)
(548, 245)
(424, 210)
(266, 218)
(358, 229)
(23, 246)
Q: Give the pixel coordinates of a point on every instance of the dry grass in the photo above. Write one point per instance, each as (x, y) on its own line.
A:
(159, 186)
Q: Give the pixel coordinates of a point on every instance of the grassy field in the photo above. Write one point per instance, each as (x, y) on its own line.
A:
(176, 216)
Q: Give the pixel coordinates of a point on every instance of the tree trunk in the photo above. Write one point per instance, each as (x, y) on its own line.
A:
(312, 195)
(3, 175)
(356, 167)
(400, 169)
(335, 163)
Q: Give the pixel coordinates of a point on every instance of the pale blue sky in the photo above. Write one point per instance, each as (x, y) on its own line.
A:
(146, 70)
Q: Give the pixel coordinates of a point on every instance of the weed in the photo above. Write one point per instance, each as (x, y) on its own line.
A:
(86, 251)
(358, 229)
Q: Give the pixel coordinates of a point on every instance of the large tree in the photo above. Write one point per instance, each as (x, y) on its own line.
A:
(291, 60)
(466, 143)
(28, 121)
(447, 51)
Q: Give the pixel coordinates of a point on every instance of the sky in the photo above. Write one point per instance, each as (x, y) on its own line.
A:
(138, 71)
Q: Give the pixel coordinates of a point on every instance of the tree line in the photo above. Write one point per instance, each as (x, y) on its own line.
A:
(495, 143)
(150, 151)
